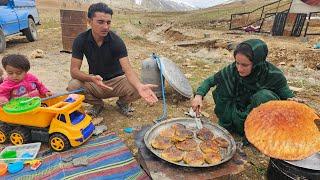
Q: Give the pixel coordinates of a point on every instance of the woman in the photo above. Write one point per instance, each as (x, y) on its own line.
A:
(243, 85)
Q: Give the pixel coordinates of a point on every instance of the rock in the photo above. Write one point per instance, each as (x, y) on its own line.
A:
(186, 64)
(295, 89)
(99, 130)
(81, 161)
(207, 66)
(304, 39)
(188, 75)
(282, 63)
(97, 120)
(318, 66)
(38, 53)
(206, 35)
(231, 46)
(67, 159)
(205, 114)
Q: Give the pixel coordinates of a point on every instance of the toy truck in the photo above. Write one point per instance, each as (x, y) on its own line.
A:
(60, 121)
(16, 17)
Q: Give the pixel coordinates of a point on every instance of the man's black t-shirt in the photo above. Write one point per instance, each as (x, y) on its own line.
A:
(103, 60)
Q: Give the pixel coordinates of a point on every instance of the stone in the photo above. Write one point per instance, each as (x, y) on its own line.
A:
(81, 161)
(304, 39)
(205, 114)
(295, 89)
(282, 63)
(97, 120)
(99, 130)
(206, 35)
(38, 53)
(188, 75)
(67, 159)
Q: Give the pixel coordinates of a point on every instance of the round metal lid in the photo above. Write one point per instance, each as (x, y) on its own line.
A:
(176, 78)
(312, 162)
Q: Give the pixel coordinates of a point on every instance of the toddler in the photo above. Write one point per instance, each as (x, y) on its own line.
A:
(19, 82)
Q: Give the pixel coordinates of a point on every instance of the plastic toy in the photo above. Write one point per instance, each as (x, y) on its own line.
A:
(3, 169)
(26, 104)
(36, 165)
(27, 155)
(9, 154)
(61, 123)
(15, 167)
(128, 130)
(32, 162)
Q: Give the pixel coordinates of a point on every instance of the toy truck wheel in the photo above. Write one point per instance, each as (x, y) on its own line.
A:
(4, 129)
(31, 32)
(20, 136)
(59, 142)
(2, 41)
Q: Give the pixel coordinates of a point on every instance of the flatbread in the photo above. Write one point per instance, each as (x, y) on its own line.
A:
(284, 130)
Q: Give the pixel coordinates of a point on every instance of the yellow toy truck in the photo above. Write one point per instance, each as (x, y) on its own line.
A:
(61, 121)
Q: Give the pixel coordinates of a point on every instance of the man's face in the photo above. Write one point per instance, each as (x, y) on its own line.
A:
(100, 23)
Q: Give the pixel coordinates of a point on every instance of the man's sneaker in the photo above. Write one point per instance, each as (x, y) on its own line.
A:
(95, 110)
(125, 109)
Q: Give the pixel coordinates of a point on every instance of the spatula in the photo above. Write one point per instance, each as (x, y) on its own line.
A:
(197, 119)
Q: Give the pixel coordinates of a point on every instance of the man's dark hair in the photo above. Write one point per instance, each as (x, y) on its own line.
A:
(99, 7)
(244, 49)
(16, 61)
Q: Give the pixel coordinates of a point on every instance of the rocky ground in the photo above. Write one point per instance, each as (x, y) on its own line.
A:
(198, 52)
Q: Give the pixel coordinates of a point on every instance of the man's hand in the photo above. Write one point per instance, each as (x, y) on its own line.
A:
(98, 80)
(197, 104)
(145, 91)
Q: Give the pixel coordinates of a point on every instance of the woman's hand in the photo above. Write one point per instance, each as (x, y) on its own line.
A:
(197, 104)
(98, 80)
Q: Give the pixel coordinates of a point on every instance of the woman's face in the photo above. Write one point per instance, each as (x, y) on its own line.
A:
(243, 64)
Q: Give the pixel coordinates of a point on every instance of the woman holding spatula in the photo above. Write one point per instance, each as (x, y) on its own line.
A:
(243, 85)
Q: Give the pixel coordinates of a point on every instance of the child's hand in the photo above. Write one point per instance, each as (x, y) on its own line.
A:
(3, 102)
(48, 94)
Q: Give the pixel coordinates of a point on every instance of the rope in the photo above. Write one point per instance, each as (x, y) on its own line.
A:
(164, 106)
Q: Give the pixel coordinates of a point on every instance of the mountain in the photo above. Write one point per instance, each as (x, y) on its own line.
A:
(165, 5)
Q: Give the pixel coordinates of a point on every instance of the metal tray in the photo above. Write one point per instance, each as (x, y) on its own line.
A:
(218, 131)
(312, 162)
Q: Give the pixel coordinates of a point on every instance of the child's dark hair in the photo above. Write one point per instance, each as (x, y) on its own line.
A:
(16, 61)
(99, 7)
(244, 49)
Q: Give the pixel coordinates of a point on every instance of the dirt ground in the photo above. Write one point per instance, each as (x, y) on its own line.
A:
(144, 35)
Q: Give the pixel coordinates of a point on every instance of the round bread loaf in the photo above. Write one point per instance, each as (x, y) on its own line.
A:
(284, 130)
